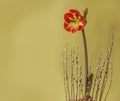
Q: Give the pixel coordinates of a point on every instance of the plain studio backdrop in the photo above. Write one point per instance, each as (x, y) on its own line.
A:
(32, 39)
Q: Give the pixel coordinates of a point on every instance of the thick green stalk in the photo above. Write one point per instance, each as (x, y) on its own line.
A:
(85, 62)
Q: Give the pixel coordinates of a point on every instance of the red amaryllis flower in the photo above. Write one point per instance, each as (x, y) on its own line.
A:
(73, 21)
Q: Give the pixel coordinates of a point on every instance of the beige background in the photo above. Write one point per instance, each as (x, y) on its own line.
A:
(32, 40)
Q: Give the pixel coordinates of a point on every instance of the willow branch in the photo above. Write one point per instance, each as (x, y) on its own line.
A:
(106, 71)
(66, 69)
(63, 65)
(77, 86)
(72, 76)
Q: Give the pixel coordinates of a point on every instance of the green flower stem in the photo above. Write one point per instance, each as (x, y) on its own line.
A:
(85, 62)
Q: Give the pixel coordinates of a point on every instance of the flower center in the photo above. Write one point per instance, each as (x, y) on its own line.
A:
(75, 22)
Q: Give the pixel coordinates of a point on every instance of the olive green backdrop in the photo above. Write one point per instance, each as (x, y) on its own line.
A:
(32, 39)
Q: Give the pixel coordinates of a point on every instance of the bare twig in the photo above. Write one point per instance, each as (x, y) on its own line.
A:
(107, 65)
(111, 75)
(63, 65)
(72, 76)
(96, 75)
(66, 69)
(99, 79)
(80, 82)
(77, 76)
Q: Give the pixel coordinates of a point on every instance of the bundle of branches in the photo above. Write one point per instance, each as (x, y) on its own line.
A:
(82, 85)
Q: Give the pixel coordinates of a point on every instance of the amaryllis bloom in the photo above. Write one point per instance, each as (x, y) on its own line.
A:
(73, 21)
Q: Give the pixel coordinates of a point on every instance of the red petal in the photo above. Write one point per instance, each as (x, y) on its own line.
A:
(68, 17)
(80, 27)
(74, 11)
(77, 15)
(74, 30)
(81, 18)
(69, 29)
(66, 27)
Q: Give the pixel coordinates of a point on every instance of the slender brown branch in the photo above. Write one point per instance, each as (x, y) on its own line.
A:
(96, 75)
(107, 65)
(63, 65)
(80, 82)
(72, 75)
(99, 80)
(66, 69)
(111, 75)
(77, 86)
